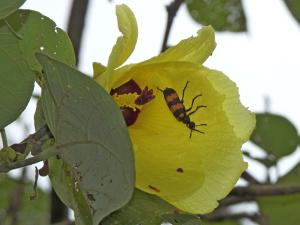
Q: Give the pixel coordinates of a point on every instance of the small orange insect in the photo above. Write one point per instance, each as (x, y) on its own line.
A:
(178, 109)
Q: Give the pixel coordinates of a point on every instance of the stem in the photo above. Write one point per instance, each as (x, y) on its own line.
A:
(4, 138)
(265, 190)
(249, 193)
(235, 200)
(220, 216)
(47, 153)
(172, 11)
(248, 177)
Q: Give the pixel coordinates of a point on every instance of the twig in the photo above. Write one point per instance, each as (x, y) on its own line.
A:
(249, 193)
(248, 177)
(76, 24)
(225, 215)
(36, 177)
(172, 11)
(47, 153)
(231, 200)
(40, 134)
(4, 138)
(265, 190)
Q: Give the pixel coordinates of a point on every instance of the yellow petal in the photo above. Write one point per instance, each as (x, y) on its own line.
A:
(126, 43)
(194, 49)
(108, 79)
(190, 173)
(98, 69)
(242, 120)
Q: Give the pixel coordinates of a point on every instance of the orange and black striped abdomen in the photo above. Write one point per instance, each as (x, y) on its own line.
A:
(174, 103)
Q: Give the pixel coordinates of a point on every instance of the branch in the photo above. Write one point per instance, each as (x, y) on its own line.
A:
(4, 138)
(231, 200)
(224, 215)
(76, 24)
(47, 153)
(36, 177)
(248, 177)
(249, 193)
(265, 190)
(172, 11)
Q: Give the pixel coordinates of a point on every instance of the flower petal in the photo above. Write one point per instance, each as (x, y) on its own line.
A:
(194, 49)
(190, 173)
(98, 69)
(242, 120)
(126, 43)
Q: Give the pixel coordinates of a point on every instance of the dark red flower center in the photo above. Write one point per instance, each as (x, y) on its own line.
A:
(143, 96)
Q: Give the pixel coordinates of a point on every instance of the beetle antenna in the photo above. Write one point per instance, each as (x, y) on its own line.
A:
(159, 89)
(202, 124)
(197, 131)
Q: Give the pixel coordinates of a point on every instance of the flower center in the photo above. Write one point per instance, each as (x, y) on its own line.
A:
(131, 99)
(127, 100)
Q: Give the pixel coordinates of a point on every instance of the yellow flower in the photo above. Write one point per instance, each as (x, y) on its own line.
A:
(190, 166)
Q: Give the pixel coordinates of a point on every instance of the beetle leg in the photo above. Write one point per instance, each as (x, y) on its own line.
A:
(184, 91)
(193, 102)
(198, 107)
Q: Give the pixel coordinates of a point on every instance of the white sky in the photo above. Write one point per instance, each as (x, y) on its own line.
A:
(263, 62)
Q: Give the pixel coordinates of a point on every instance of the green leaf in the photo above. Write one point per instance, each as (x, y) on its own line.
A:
(27, 212)
(223, 15)
(7, 155)
(294, 7)
(275, 134)
(149, 209)
(9, 6)
(92, 136)
(40, 34)
(39, 119)
(21, 35)
(278, 210)
(64, 186)
(16, 78)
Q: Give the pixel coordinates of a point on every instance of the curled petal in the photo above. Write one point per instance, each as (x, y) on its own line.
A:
(126, 43)
(98, 69)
